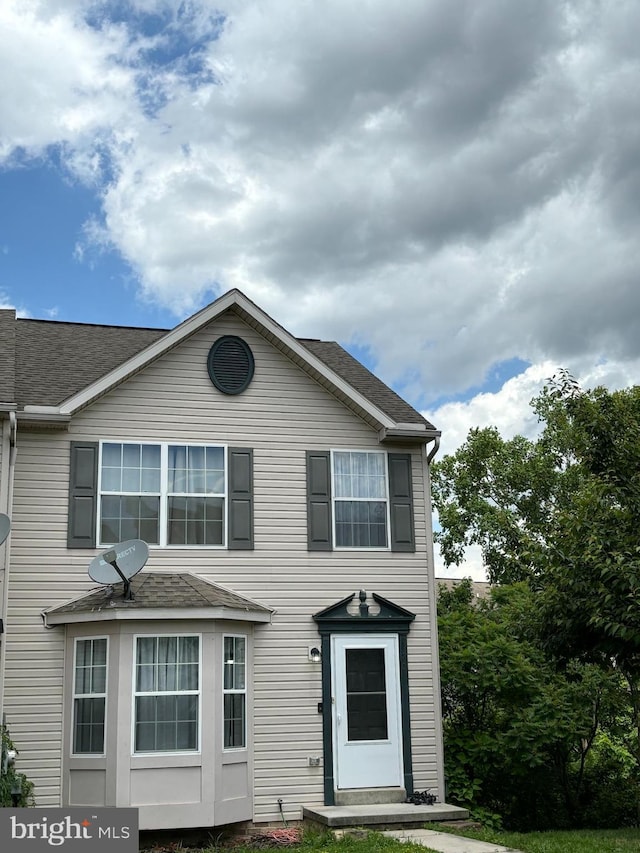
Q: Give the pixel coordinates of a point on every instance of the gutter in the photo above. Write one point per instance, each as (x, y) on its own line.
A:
(8, 485)
(433, 623)
(434, 449)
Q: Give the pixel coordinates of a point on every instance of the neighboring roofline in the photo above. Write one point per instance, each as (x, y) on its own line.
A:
(232, 299)
(217, 612)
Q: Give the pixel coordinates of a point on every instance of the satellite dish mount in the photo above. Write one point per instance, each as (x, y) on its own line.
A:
(111, 558)
(120, 563)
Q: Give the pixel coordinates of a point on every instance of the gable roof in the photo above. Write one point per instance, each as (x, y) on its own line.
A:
(56, 371)
(177, 595)
(55, 360)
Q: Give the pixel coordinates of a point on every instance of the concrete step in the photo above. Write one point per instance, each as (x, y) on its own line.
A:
(366, 796)
(379, 815)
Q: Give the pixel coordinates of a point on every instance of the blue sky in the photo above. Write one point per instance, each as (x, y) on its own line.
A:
(43, 274)
(448, 189)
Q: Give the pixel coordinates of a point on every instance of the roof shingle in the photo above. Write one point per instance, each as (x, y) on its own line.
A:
(160, 590)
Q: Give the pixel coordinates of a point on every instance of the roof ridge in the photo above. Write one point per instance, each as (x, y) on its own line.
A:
(91, 325)
(186, 576)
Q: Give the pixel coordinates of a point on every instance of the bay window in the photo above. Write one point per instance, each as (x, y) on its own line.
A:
(235, 692)
(89, 695)
(167, 694)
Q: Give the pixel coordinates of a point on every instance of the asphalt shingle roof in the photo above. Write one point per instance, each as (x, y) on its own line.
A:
(55, 360)
(7, 357)
(44, 362)
(367, 383)
(160, 590)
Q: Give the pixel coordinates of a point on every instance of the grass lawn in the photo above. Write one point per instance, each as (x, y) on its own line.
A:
(313, 842)
(574, 841)
(577, 841)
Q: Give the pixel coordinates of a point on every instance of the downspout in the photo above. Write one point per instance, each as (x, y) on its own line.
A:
(13, 449)
(433, 633)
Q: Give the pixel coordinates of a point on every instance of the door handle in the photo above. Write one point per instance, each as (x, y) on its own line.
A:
(339, 719)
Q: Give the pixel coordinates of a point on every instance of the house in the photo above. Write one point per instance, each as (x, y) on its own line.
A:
(279, 646)
(480, 590)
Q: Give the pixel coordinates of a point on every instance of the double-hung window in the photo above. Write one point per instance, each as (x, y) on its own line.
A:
(235, 692)
(89, 695)
(166, 494)
(360, 499)
(167, 694)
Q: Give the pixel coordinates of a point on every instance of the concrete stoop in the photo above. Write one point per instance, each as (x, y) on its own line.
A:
(380, 815)
(367, 796)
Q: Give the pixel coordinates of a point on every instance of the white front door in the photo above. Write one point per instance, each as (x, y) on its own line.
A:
(367, 723)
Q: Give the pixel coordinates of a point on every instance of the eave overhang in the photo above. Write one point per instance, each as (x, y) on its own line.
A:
(43, 417)
(133, 613)
(409, 434)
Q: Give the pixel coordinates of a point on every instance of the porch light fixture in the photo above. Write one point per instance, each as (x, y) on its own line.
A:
(314, 654)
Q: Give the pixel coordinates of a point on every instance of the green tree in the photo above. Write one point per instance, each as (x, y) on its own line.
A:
(499, 495)
(591, 569)
(524, 739)
(562, 513)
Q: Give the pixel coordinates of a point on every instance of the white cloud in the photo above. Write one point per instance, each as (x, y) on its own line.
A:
(62, 85)
(507, 409)
(451, 185)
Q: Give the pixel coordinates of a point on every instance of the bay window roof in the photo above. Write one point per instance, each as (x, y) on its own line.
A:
(159, 595)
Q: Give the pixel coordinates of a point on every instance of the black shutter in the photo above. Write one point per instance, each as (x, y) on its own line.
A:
(401, 502)
(240, 499)
(83, 485)
(318, 500)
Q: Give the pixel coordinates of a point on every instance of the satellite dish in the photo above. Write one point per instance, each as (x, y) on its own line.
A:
(120, 563)
(5, 526)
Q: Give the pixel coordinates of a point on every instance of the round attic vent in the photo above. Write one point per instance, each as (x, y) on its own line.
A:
(230, 364)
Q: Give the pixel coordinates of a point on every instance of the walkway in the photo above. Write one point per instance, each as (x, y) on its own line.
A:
(445, 843)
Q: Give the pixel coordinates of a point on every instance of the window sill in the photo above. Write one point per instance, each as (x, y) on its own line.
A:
(235, 756)
(166, 759)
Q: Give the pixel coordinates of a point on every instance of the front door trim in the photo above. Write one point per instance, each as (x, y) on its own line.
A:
(336, 619)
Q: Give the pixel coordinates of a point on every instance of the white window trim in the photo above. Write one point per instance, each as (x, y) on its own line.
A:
(135, 694)
(234, 691)
(164, 493)
(75, 696)
(335, 500)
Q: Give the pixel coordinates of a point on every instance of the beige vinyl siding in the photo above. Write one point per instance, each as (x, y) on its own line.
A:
(281, 415)
(4, 440)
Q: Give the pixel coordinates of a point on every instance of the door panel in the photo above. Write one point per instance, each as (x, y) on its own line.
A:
(367, 743)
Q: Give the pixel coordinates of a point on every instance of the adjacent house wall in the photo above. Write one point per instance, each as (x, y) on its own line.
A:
(281, 415)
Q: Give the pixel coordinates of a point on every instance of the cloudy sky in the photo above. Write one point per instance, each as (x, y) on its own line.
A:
(450, 188)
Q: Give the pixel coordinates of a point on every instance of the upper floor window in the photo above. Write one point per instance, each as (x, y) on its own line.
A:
(166, 494)
(360, 499)
(89, 695)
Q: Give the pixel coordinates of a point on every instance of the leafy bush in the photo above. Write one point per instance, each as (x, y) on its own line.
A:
(527, 741)
(11, 781)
